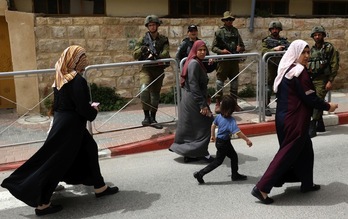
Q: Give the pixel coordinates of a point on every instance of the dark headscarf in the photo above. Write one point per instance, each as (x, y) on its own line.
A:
(192, 55)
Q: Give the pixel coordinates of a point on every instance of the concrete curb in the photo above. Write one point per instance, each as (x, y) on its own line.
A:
(253, 129)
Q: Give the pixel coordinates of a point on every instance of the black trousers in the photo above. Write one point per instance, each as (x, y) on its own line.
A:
(224, 148)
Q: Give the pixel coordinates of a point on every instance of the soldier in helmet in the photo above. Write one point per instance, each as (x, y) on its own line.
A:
(323, 66)
(150, 47)
(272, 43)
(227, 40)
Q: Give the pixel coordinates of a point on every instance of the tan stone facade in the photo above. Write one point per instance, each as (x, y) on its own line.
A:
(109, 40)
(112, 39)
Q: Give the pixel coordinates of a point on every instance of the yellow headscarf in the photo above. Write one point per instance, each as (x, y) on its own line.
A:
(72, 61)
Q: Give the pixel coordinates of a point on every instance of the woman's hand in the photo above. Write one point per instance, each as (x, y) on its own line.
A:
(205, 111)
(333, 107)
(211, 62)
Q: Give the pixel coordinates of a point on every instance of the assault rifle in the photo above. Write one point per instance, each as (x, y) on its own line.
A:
(271, 43)
(152, 50)
(228, 46)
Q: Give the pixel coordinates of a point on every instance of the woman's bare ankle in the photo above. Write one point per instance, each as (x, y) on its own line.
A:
(43, 206)
(101, 189)
(264, 195)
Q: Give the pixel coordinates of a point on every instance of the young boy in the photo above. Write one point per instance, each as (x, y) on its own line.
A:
(227, 125)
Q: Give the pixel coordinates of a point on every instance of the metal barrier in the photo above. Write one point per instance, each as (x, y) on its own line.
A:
(108, 120)
(266, 58)
(243, 57)
(9, 138)
(20, 124)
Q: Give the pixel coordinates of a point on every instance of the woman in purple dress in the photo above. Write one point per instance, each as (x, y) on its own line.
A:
(296, 99)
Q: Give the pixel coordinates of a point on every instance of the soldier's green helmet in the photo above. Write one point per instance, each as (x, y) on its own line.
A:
(152, 19)
(318, 29)
(275, 24)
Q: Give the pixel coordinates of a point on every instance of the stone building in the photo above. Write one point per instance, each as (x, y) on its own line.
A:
(36, 41)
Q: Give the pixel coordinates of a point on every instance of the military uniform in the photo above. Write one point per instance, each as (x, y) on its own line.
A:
(184, 50)
(227, 38)
(149, 72)
(268, 43)
(322, 66)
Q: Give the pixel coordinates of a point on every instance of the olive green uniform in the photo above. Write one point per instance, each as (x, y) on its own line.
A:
(268, 44)
(227, 38)
(323, 67)
(149, 72)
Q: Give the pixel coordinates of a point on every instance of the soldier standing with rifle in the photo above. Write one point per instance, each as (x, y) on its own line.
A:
(227, 40)
(152, 46)
(323, 66)
(272, 43)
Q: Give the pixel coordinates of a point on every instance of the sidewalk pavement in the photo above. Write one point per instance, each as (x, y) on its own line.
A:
(134, 139)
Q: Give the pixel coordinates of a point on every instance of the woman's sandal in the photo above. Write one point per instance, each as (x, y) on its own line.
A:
(107, 191)
(256, 192)
(49, 210)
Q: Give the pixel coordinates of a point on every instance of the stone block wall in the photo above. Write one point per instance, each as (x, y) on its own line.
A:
(112, 39)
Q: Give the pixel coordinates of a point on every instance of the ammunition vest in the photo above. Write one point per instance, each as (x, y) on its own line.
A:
(319, 62)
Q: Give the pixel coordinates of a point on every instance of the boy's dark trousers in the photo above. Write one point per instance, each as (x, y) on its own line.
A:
(224, 148)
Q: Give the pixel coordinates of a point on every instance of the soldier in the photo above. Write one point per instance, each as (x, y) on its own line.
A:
(323, 66)
(150, 47)
(186, 45)
(273, 42)
(227, 40)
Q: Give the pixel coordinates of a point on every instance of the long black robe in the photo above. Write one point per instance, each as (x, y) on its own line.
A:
(69, 153)
(192, 134)
(294, 161)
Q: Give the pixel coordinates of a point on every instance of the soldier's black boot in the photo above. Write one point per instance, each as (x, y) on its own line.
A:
(154, 123)
(313, 129)
(147, 119)
(321, 126)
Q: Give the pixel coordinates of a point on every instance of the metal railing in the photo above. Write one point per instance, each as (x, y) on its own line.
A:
(266, 59)
(106, 121)
(244, 58)
(99, 124)
(6, 135)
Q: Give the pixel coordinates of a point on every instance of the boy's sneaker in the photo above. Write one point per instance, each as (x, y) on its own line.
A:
(199, 177)
(238, 177)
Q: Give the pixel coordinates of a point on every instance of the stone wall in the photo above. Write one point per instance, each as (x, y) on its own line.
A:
(112, 39)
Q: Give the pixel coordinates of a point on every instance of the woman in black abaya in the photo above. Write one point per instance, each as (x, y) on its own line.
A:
(69, 153)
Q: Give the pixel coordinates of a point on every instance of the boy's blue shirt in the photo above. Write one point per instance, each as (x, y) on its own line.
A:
(226, 127)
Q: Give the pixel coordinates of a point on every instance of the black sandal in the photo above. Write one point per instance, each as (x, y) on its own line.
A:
(49, 210)
(256, 193)
(107, 191)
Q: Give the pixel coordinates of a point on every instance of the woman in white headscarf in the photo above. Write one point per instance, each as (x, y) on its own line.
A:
(69, 153)
(296, 99)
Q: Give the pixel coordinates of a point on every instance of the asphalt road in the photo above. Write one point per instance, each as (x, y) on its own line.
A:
(158, 184)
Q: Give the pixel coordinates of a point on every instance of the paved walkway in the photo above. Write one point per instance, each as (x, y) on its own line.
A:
(121, 133)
